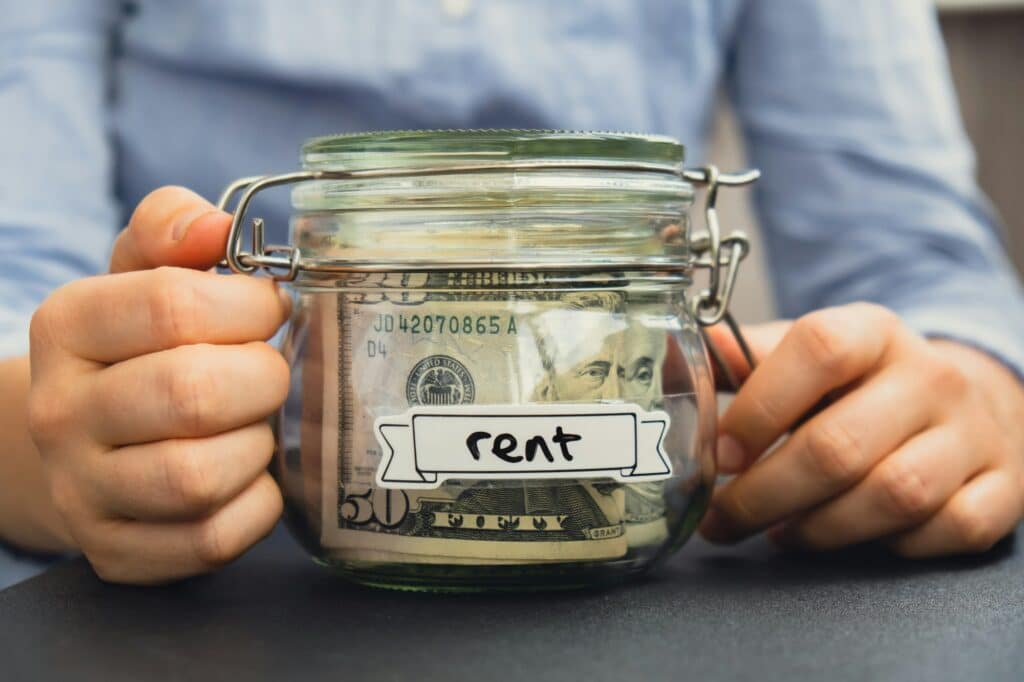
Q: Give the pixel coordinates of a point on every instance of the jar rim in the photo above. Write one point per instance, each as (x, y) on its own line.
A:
(395, 149)
(534, 200)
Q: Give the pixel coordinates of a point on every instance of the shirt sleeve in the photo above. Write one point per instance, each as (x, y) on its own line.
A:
(868, 190)
(57, 211)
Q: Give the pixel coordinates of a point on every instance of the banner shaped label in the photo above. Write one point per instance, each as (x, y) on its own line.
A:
(428, 445)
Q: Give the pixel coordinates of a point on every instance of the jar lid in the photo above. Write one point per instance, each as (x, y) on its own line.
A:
(446, 169)
(421, 148)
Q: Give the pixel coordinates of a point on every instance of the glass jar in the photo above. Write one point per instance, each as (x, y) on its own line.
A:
(499, 380)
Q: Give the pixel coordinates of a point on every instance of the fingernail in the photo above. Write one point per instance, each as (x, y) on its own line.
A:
(181, 228)
(731, 457)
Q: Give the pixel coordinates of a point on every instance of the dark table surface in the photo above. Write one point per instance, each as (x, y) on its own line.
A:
(744, 613)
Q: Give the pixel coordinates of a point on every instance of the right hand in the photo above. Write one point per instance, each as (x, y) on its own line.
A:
(150, 391)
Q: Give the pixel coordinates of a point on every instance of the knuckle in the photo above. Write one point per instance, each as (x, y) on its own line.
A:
(49, 417)
(947, 377)
(882, 318)
(41, 325)
(823, 342)
(975, 529)
(58, 321)
(835, 452)
(49, 322)
(187, 477)
(191, 395)
(174, 307)
(906, 493)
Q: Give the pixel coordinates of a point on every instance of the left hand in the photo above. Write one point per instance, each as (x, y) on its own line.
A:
(920, 444)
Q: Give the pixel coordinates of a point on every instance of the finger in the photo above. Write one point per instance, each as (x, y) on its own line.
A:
(112, 318)
(821, 352)
(902, 491)
(827, 455)
(979, 515)
(152, 553)
(186, 392)
(176, 480)
(172, 226)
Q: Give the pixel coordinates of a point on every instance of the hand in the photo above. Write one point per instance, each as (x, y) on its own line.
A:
(150, 389)
(920, 443)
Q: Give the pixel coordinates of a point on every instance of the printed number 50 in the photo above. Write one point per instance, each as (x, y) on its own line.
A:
(387, 507)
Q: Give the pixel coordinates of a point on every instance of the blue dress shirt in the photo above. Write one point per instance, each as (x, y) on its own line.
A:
(868, 190)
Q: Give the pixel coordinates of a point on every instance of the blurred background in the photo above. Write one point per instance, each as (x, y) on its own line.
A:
(983, 38)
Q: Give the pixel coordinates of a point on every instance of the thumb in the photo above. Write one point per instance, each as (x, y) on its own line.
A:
(172, 226)
(761, 339)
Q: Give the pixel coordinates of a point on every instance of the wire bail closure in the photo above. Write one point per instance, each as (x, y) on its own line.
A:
(721, 256)
(284, 263)
(711, 306)
(262, 256)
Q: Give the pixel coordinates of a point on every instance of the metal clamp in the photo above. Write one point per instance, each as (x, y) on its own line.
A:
(716, 253)
(721, 256)
(262, 257)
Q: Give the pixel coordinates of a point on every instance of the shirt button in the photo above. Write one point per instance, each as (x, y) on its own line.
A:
(456, 9)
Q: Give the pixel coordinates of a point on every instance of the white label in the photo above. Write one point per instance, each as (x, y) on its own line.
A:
(426, 445)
